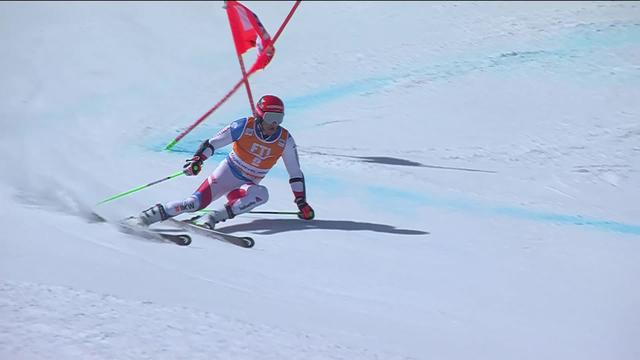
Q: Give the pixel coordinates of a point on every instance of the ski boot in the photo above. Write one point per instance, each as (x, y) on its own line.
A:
(217, 216)
(147, 217)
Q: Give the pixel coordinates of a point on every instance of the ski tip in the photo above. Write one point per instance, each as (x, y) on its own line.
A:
(93, 217)
(182, 240)
(249, 242)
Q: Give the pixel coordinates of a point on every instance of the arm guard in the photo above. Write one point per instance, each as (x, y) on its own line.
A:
(205, 150)
(298, 188)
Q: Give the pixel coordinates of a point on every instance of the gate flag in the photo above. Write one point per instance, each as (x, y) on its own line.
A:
(248, 32)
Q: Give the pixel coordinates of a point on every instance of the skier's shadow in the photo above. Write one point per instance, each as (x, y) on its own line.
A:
(275, 226)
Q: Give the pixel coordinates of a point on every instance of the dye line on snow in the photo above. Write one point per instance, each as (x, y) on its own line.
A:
(583, 42)
(470, 206)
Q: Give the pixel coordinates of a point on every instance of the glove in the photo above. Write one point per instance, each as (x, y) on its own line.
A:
(193, 166)
(306, 211)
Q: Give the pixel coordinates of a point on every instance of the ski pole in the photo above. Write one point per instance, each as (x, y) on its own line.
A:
(205, 211)
(117, 196)
(275, 212)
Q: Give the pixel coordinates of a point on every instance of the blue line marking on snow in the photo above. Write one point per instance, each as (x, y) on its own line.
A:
(607, 35)
(390, 199)
(336, 92)
(385, 196)
(471, 206)
(583, 42)
(580, 43)
(562, 54)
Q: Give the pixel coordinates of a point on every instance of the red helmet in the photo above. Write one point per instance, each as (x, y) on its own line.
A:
(270, 108)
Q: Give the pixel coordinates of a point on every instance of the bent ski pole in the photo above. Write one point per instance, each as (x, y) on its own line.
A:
(117, 196)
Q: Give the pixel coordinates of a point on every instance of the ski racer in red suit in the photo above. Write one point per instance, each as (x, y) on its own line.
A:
(258, 143)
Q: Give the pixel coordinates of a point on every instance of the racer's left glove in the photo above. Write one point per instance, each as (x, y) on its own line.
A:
(306, 211)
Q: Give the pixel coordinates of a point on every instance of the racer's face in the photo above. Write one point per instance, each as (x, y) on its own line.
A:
(269, 129)
(270, 122)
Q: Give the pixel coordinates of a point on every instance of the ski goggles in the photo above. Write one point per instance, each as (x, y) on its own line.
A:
(273, 117)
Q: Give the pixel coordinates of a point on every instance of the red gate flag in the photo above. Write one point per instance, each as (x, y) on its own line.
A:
(248, 32)
(252, 40)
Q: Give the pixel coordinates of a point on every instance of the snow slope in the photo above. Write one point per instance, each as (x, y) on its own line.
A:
(473, 167)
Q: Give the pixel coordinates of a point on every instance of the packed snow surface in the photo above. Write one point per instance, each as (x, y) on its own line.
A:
(474, 168)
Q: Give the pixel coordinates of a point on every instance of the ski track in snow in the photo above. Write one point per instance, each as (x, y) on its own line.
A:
(38, 320)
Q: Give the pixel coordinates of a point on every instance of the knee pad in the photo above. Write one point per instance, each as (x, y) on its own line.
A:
(259, 192)
(255, 195)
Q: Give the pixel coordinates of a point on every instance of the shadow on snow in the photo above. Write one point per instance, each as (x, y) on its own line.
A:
(387, 160)
(275, 226)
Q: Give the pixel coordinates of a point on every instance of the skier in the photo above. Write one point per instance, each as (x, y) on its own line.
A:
(258, 143)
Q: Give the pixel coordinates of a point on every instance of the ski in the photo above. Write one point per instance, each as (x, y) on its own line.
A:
(175, 236)
(242, 241)
(180, 239)
(157, 234)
